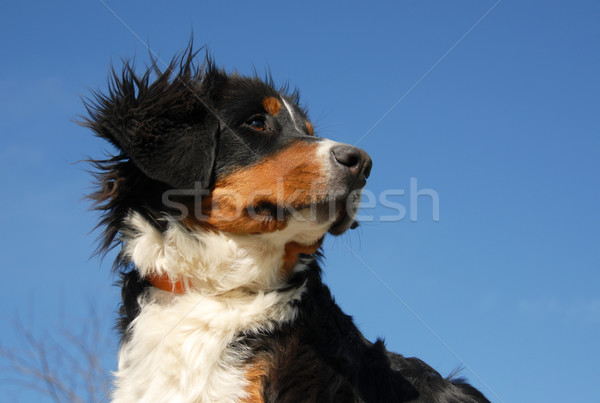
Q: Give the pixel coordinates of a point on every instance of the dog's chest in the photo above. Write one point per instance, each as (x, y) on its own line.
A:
(182, 348)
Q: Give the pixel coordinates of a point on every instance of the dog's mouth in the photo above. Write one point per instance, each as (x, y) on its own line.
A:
(340, 212)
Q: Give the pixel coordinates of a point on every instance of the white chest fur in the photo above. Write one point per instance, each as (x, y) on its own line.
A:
(180, 346)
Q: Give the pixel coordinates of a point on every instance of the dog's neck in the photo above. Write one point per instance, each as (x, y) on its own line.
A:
(179, 260)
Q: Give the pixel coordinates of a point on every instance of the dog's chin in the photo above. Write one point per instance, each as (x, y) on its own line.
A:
(345, 220)
(342, 224)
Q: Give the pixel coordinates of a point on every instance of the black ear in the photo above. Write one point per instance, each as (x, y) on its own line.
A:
(162, 120)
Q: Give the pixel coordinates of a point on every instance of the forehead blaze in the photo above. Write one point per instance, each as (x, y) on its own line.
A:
(271, 105)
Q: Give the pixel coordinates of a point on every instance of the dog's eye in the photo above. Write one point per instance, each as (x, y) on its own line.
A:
(258, 123)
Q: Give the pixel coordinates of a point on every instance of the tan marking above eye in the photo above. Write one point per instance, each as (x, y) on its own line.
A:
(310, 128)
(271, 105)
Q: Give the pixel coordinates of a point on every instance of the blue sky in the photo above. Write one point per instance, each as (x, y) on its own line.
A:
(503, 124)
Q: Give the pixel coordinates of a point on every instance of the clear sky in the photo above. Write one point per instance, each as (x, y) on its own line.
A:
(498, 117)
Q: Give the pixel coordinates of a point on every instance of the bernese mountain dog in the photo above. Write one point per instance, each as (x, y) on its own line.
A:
(218, 198)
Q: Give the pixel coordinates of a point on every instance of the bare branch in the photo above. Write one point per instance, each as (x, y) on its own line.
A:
(65, 364)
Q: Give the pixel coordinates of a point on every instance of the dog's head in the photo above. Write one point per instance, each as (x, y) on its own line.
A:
(220, 152)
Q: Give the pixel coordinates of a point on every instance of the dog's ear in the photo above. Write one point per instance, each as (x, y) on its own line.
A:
(167, 125)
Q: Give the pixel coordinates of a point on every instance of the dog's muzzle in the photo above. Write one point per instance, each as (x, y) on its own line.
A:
(350, 168)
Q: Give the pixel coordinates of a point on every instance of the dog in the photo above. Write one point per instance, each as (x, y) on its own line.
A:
(218, 198)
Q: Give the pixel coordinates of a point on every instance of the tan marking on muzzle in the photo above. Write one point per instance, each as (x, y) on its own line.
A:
(293, 178)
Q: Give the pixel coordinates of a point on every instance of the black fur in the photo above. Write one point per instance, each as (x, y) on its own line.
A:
(323, 357)
(132, 286)
(167, 126)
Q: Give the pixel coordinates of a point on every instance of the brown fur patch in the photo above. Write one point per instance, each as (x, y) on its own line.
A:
(255, 376)
(271, 105)
(291, 252)
(310, 128)
(291, 178)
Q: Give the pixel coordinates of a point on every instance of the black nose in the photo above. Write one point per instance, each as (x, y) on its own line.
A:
(353, 159)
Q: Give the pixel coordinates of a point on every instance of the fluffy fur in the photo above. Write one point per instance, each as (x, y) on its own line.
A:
(220, 189)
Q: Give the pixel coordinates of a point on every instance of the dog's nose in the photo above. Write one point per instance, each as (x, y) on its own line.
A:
(355, 161)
